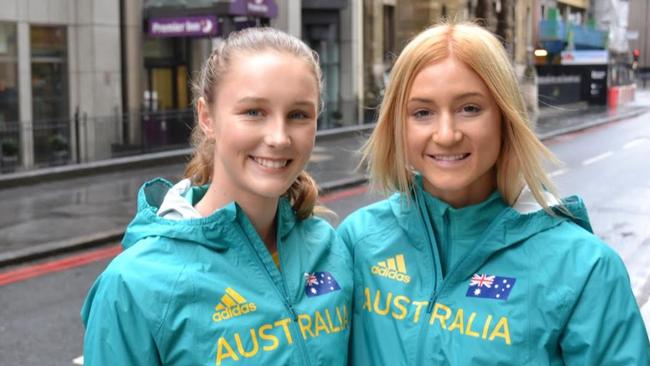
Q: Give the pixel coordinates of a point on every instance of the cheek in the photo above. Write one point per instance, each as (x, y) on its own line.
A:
(491, 143)
(416, 141)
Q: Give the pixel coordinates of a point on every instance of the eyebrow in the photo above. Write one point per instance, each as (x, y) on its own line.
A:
(461, 96)
(302, 103)
(252, 100)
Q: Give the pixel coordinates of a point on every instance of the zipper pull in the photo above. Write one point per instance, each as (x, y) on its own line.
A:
(292, 311)
(430, 305)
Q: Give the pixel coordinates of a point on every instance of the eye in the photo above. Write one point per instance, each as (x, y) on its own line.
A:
(253, 113)
(421, 114)
(299, 115)
(471, 109)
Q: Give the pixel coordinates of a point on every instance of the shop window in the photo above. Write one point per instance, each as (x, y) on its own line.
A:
(9, 132)
(323, 37)
(50, 103)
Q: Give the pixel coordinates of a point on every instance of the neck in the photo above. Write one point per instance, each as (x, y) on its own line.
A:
(260, 211)
(478, 192)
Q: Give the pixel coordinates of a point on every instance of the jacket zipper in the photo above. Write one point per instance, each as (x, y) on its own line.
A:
(287, 304)
(434, 293)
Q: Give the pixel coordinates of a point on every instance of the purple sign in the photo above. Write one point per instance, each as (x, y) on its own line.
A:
(195, 26)
(260, 8)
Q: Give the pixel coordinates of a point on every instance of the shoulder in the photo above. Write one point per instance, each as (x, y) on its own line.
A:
(581, 253)
(371, 219)
(319, 232)
(147, 274)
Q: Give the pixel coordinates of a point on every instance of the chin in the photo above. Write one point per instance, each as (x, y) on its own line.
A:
(271, 190)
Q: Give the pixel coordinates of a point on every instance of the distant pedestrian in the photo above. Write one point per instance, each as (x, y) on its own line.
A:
(474, 260)
(230, 266)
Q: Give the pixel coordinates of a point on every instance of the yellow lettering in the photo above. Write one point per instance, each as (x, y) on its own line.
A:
(366, 303)
(342, 321)
(470, 321)
(285, 326)
(320, 323)
(486, 326)
(401, 307)
(387, 308)
(329, 321)
(240, 346)
(305, 327)
(346, 319)
(442, 318)
(458, 322)
(221, 345)
(268, 337)
(419, 305)
(505, 334)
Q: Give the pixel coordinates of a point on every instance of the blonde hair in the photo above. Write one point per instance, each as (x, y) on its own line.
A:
(303, 193)
(520, 160)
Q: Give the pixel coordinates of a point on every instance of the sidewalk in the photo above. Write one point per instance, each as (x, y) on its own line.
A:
(43, 214)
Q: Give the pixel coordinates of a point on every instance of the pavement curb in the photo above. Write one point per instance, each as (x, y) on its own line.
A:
(595, 122)
(89, 241)
(59, 247)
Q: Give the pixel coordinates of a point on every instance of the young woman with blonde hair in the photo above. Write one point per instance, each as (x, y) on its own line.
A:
(230, 266)
(474, 260)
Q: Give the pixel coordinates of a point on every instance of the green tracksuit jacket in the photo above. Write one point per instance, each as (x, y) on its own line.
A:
(533, 289)
(207, 292)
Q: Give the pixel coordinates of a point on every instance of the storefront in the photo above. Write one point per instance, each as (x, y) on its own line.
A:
(9, 137)
(177, 40)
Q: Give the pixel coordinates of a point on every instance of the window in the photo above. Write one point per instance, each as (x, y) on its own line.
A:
(50, 94)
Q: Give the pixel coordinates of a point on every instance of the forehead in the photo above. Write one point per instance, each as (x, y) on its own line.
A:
(448, 76)
(268, 74)
(258, 63)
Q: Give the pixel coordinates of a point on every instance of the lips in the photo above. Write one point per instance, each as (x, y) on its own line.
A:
(271, 163)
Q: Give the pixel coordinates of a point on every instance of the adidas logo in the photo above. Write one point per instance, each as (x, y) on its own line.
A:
(232, 305)
(393, 268)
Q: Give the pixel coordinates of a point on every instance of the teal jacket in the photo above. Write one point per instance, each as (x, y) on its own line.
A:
(207, 292)
(534, 289)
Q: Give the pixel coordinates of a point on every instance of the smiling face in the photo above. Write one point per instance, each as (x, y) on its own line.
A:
(453, 132)
(263, 122)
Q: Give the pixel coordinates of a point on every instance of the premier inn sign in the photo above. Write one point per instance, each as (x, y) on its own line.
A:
(194, 26)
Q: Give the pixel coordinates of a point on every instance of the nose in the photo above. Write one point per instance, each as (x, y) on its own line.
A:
(277, 134)
(447, 133)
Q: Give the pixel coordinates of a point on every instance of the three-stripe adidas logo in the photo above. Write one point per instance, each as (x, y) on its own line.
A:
(232, 305)
(393, 268)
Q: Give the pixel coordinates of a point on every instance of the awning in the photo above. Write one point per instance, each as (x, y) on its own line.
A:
(250, 8)
(258, 8)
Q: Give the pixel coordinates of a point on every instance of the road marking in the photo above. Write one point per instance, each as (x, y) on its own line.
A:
(645, 313)
(558, 172)
(59, 265)
(339, 195)
(78, 361)
(634, 143)
(597, 158)
(315, 158)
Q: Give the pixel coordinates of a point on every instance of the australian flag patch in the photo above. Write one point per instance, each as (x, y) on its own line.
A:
(320, 283)
(490, 287)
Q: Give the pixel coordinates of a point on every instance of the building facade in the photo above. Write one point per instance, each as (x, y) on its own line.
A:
(58, 59)
(85, 80)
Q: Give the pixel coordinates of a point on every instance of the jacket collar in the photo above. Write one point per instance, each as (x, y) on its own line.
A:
(216, 231)
(512, 226)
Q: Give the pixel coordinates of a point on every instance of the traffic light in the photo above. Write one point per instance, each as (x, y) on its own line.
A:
(636, 53)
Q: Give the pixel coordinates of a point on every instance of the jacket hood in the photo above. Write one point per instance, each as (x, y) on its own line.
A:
(217, 231)
(511, 226)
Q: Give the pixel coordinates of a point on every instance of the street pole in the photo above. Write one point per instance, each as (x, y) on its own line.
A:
(529, 85)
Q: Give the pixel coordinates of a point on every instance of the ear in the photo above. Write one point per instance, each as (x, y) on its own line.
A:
(205, 118)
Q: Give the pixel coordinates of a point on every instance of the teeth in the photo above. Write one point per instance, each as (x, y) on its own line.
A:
(449, 157)
(273, 164)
